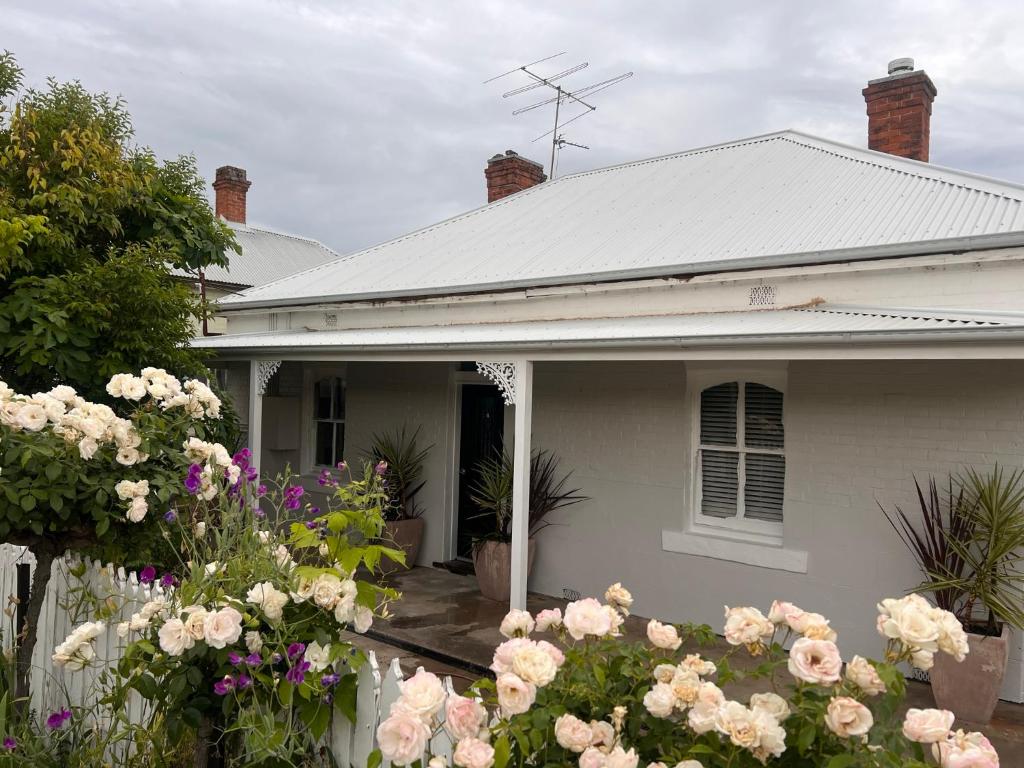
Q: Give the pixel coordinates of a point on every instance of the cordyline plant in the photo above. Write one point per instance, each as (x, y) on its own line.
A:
(82, 476)
(402, 457)
(243, 657)
(587, 696)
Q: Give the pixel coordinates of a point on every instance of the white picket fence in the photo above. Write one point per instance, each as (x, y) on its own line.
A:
(68, 604)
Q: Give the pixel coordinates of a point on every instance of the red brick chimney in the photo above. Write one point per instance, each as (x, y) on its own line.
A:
(509, 173)
(900, 111)
(230, 186)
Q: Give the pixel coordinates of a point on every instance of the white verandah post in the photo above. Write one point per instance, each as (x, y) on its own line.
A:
(260, 372)
(521, 482)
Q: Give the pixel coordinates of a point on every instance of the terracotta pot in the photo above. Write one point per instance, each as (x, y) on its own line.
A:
(970, 688)
(492, 561)
(407, 535)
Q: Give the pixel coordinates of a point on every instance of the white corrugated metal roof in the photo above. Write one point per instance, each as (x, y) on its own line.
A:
(784, 198)
(267, 256)
(712, 327)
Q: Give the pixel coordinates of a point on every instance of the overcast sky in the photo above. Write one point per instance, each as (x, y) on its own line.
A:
(359, 121)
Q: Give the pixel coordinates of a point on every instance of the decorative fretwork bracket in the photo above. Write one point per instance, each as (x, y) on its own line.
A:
(265, 370)
(503, 374)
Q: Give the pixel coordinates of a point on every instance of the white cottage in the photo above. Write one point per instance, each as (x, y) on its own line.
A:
(739, 351)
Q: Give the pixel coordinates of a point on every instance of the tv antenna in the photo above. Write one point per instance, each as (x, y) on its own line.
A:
(570, 98)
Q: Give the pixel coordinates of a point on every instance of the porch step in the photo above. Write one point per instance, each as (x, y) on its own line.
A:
(458, 567)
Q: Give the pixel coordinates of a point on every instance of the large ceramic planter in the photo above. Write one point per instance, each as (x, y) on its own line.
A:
(492, 561)
(407, 535)
(970, 688)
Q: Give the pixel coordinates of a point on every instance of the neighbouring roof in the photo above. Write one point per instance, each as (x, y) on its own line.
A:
(781, 199)
(844, 323)
(267, 256)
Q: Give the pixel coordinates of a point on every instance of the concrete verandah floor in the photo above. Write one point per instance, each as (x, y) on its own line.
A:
(444, 624)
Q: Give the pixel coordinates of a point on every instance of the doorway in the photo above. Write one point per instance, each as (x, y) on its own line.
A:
(481, 436)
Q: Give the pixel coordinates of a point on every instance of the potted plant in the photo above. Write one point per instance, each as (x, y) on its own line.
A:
(492, 493)
(969, 545)
(400, 458)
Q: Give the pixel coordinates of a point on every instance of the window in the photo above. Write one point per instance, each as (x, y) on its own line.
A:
(328, 421)
(740, 461)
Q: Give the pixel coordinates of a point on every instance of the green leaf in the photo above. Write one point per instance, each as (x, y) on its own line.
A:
(28, 502)
(192, 717)
(502, 752)
(807, 735)
(146, 686)
(842, 761)
(284, 693)
(345, 696)
(53, 471)
(102, 526)
(375, 759)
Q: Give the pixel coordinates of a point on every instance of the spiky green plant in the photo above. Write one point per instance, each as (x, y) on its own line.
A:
(404, 457)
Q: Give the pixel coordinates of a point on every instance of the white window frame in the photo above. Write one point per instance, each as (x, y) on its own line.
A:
(757, 531)
(311, 375)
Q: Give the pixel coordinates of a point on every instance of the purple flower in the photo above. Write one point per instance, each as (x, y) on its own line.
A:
(241, 459)
(328, 698)
(261, 490)
(292, 496)
(311, 525)
(57, 719)
(251, 474)
(328, 680)
(234, 658)
(276, 658)
(297, 674)
(193, 481)
(296, 649)
(381, 468)
(168, 580)
(170, 516)
(147, 575)
(224, 686)
(325, 477)
(258, 513)
(342, 466)
(244, 681)
(314, 510)
(253, 660)
(10, 744)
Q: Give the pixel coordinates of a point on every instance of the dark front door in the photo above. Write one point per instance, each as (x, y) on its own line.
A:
(483, 420)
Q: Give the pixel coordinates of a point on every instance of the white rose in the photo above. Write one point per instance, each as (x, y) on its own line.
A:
(222, 628)
(814, 626)
(128, 456)
(815, 661)
(363, 619)
(618, 596)
(196, 621)
(620, 758)
(402, 737)
(326, 589)
(660, 701)
(253, 641)
(422, 694)
(738, 723)
(952, 638)
(269, 599)
(593, 758)
(504, 653)
(685, 685)
(663, 635)
(318, 656)
(473, 753)
(31, 417)
(664, 673)
(746, 626)
(587, 617)
(702, 667)
(847, 717)
(863, 674)
(463, 717)
(602, 734)
(516, 623)
(200, 530)
(137, 509)
(927, 726)
(572, 733)
(87, 448)
(772, 703)
(175, 638)
(515, 695)
(549, 618)
(534, 665)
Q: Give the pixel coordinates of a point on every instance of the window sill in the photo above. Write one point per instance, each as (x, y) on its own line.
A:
(734, 550)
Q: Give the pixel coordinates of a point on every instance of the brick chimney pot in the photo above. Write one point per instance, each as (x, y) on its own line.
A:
(230, 187)
(899, 109)
(510, 173)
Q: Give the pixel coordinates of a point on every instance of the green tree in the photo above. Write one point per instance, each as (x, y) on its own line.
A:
(91, 227)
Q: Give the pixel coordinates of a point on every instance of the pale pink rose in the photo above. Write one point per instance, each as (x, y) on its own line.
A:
(702, 715)
(656, 765)
(593, 758)
(689, 764)
(602, 734)
(515, 695)
(702, 667)
(663, 635)
(965, 750)
(463, 717)
(783, 612)
(815, 661)
(771, 703)
(615, 620)
(471, 752)
(746, 626)
(222, 628)
(505, 652)
(619, 597)
(549, 618)
(517, 623)
(587, 617)
(847, 717)
(402, 737)
(685, 685)
(664, 673)
(553, 651)
(572, 733)
(927, 726)
(739, 724)
(952, 638)
(863, 674)
(814, 626)
(534, 665)
(660, 701)
(620, 758)
(422, 694)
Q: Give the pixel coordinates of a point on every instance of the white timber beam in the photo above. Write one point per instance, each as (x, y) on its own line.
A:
(521, 483)
(260, 373)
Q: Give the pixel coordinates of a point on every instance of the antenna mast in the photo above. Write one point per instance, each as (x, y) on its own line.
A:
(562, 94)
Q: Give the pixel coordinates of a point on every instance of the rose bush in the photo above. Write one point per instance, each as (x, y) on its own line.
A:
(588, 696)
(245, 650)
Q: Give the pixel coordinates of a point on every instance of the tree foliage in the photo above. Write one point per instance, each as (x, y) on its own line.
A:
(91, 228)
